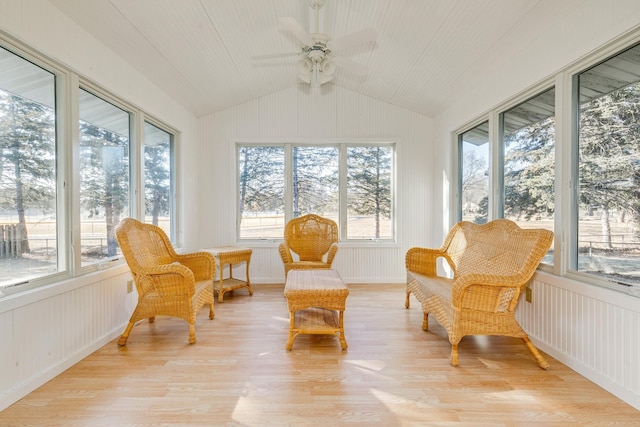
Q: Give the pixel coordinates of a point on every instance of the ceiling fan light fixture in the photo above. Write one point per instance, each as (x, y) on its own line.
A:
(305, 78)
(318, 77)
(315, 73)
(324, 78)
(327, 66)
(305, 66)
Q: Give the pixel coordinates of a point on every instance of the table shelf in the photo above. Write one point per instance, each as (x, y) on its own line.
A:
(231, 255)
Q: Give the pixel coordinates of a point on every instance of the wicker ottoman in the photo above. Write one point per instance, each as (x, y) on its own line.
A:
(316, 300)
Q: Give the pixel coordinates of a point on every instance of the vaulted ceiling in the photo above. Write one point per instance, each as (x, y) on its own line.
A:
(213, 54)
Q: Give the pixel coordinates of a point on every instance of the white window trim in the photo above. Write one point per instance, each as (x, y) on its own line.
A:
(341, 144)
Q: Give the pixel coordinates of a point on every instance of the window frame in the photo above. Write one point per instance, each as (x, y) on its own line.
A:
(61, 116)
(496, 192)
(341, 145)
(566, 160)
(459, 203)
(67, 85)
(173, 155)
(134, 141)
(605, 54)
(501, 153)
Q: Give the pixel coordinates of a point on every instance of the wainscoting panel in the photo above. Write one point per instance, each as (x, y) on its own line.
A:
(8, 377)
(358, 264)
(593, 330)
(47, 335)
(371, 264)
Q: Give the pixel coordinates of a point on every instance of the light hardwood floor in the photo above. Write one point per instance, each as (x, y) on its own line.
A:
(239, 374)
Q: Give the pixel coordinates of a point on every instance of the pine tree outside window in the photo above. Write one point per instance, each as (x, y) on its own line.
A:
(104, 176)
(159, 178)
(28, 174)
(528, 144)
(607, 242)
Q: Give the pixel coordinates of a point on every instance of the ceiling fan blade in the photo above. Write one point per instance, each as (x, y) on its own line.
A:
(350, 65)
(291, 25)
(353, 39)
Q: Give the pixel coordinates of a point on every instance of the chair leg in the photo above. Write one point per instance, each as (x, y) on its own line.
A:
(425, 322)
(454, 355)
(211, 312)
(152, 319)
(406, 301)
(192, 333)
(542, 362)
(125, 335)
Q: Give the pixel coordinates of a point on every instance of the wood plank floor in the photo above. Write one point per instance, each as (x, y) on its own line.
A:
(239, 374)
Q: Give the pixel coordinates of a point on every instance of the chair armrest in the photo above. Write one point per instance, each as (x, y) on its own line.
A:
(166, 280)
(333, 249)
(203, 264)
(285, 253)
(422, 260)
(487, 292)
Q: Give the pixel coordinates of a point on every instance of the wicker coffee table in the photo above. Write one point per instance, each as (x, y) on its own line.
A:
(316, 300)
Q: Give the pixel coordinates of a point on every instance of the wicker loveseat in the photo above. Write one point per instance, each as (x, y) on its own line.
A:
(491, 264)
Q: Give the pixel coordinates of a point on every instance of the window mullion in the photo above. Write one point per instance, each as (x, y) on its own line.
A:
(564, 189)
(73, 187)
(288, 182)
(342, 185)
(496, 204)
(136, 165)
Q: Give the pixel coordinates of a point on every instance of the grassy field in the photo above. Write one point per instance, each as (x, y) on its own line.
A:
(594, 256)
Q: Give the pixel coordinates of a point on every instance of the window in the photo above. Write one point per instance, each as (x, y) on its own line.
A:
(104, 176)
(369, 192)
(28, 174)
(528, 140)
(281, 181)
(474, 174)
(261, 192)
(159, 178)
(607, 215)
(39, 198)
(314, 178)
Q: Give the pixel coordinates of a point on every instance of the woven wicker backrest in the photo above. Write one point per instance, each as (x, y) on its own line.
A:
(144, 245)
(310, 236)
(498, 247)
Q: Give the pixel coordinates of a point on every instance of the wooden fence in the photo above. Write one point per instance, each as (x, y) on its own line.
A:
(10, 241)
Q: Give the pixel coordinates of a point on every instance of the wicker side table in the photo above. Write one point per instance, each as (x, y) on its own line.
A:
(316, 301)
(231, 255)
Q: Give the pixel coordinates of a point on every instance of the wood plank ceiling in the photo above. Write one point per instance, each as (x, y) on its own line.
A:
(206, 53)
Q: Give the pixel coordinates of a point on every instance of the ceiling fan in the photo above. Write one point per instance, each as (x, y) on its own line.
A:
(319, 57)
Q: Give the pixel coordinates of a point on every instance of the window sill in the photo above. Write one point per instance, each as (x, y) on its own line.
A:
(33, 295)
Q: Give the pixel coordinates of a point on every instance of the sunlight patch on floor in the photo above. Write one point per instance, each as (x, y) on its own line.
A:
(512, 396)
(373, 365)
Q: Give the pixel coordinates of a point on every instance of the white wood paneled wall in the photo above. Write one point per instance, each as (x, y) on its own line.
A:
(592, 330)
(330, 114)
(53, 329)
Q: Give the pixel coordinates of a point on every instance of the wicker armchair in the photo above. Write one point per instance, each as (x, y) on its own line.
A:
(167, 283)
(312, 239)
(491, 263)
